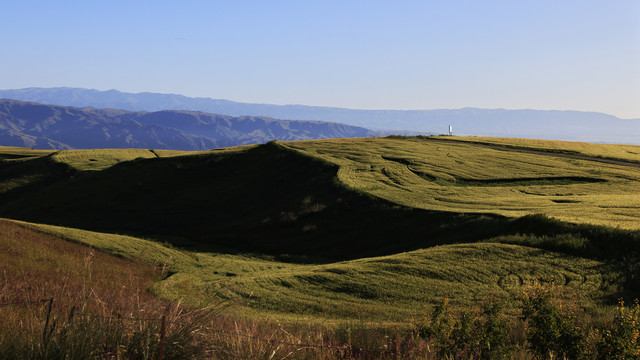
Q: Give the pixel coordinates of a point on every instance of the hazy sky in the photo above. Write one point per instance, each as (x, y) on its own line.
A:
(559, 54)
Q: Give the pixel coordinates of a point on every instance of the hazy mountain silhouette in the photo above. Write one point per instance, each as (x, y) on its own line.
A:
(42, 126)
(543, 124)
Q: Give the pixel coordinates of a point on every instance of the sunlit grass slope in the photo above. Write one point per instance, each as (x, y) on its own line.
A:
(393, 288)
(460, 177)
(610, 151)
(100, 159)
(87, 159)
(18, 153)
(20, 167)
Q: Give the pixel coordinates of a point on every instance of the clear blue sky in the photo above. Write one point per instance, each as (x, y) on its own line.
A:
(560, 54)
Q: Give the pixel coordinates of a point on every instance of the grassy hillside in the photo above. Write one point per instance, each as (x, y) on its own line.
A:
(274, 199)
(35, 265)
(91, 291)
(466, 178)
(99, 159)
(609, 151)
(85, 160)
(16, 153)
(335, 232)
(393, 288)
(265, 199)
(354, 223)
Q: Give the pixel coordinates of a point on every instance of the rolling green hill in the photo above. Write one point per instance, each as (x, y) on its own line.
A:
(266, 199)
(608, 151)
(378, 229)
(298, 198)
(460, 177)
(393, 288)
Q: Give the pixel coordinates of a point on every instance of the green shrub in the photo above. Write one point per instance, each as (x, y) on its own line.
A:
(622, 339)
(494, 332)
(552, 330)
(477, 335)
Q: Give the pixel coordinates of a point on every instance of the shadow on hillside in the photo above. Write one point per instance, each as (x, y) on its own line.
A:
(275, 202)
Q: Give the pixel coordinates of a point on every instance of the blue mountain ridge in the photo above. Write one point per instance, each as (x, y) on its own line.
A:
(525, 123)
(35, 125)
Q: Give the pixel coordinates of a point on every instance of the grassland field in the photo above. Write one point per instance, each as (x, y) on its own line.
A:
(390, 289)
(466, 178)
(342, 230)
(603, 151)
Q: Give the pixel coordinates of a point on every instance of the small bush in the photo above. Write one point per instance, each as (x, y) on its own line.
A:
(622, 339)
(478, 335)
(552, 330)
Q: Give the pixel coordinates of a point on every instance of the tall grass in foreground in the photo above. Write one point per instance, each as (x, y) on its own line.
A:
(96, 298)
(102, 310)
(548, 328)
(36, 333)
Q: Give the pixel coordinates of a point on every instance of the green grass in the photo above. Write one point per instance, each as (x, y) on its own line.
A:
(411, 172)
(465, 178)
(373, 229)
(296, 201)
(315, 241)
(17, 153)
(394, 288)
(264, 200)
(99, 159)
(24, 171)
(90, 159)
(609, 151)
(374, 307)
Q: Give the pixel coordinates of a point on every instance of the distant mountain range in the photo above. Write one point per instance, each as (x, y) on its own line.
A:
(40, 126)
(542, 124)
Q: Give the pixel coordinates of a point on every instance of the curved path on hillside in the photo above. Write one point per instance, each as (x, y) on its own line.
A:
(539, 152)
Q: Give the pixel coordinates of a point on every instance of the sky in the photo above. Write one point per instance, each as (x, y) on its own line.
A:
(534, 54)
